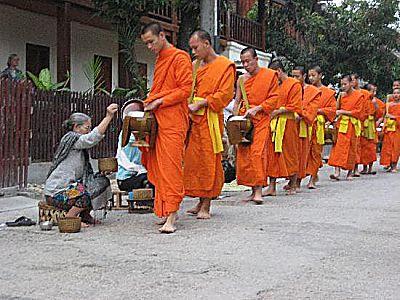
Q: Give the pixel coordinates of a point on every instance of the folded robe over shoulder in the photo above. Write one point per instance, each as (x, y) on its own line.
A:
(203, 173)
(344, 152)
(286, 163)
(328, 106)
(311, 102)
(172, 83)
(251, 160)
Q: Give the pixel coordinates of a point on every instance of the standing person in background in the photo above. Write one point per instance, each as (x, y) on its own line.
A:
(12, 72)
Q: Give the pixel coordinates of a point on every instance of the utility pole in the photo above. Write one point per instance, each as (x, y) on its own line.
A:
(209, 19)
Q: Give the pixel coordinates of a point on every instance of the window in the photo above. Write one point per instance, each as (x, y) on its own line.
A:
(37, 58)
(106, 71)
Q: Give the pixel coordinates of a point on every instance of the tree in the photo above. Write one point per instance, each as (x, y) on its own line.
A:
(125, 16)
(357, 36)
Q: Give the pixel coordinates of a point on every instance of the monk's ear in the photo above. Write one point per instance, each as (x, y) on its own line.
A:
(162, 35)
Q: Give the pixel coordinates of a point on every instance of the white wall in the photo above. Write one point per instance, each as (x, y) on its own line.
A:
(18, 27)
(233, 50)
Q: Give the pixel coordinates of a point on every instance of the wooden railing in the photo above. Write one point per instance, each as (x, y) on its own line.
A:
(242, 30)
(50, 109)
(15, 113)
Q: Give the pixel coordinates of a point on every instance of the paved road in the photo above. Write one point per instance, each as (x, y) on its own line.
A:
(340, 242)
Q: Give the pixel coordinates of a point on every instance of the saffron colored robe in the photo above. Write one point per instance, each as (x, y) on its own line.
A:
(368, 145)
(172, 83)
(328, 106)
(203, 173)
(311, 102)
(391, 139)
(363, 117)
(344, 152)
(251, 160)
(286, 163)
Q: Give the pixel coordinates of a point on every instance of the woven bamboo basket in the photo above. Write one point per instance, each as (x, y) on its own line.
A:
(108, 164)
(69, 224)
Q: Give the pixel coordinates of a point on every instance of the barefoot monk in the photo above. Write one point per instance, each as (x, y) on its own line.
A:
(168, 100)
(213, 90)
(259, 88)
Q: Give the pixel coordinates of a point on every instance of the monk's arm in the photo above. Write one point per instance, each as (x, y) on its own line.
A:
(224, 94)
(329, 108)
(272, 99)
(310, 113)
(183, 79)
(238, 98)
(295, 97)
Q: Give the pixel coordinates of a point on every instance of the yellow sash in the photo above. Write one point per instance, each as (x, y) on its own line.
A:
(215, 133)
(278, 125)
(390, 125)
(344, 125)
(320, 129)
(303, 129)
(369, 128)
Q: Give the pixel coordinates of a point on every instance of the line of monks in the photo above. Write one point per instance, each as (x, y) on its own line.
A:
(288, 115)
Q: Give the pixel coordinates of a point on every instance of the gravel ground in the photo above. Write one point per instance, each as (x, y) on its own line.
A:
(338, 242)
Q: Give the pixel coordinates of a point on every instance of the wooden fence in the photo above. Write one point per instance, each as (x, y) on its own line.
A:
(50, 109)
(15, 113)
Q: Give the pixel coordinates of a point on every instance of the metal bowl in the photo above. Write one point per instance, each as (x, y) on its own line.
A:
(46, 225)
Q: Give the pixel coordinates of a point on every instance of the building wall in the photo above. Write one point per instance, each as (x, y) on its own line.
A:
(19, 27)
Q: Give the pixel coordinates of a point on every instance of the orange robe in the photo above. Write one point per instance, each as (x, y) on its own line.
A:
(344, 152)
(286, 163)
(368, 146)
(203, 173)
(251, 160)
(328, 106)
(172, 83)
(391, 139)
(311, 102)
(363, 117)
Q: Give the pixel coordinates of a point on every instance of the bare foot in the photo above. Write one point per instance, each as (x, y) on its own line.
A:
(291, 191)
(269, 193)
(84, 225)
(257, 201)
(286, 187)
(203, 215)
(311, 185)
(167, 228)
(195, 210)
(162, 221)
(350, 178)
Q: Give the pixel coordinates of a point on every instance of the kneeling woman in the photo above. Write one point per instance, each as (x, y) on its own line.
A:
(71, 184)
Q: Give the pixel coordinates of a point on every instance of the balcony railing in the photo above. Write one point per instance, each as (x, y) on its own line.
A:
(242, 30)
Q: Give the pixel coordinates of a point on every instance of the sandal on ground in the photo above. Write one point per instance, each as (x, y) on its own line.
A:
(21, 221)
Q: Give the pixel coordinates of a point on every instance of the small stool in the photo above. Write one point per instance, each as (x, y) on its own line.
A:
(49, 213)
(117, 200)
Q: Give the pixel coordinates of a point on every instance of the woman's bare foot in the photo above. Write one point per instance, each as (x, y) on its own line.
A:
(195, 210)
(84, 225)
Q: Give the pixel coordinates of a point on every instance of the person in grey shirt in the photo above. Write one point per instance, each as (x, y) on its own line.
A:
(71, 184)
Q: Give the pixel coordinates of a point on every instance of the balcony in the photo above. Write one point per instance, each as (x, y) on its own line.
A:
(242, 30)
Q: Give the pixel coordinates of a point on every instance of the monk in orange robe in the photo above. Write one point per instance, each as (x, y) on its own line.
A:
(355, 81)
(283, 143)
(396, 84)
(391, 137)
(261, 88)
(214, 89)
(168, 100)
(344, 152)
(326, 113)
(310, 103)
(369, 138)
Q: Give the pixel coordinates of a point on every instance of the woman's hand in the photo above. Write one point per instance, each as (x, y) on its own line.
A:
(111, 110)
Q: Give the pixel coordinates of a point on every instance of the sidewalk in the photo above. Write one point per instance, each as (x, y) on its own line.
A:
(13, 207)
